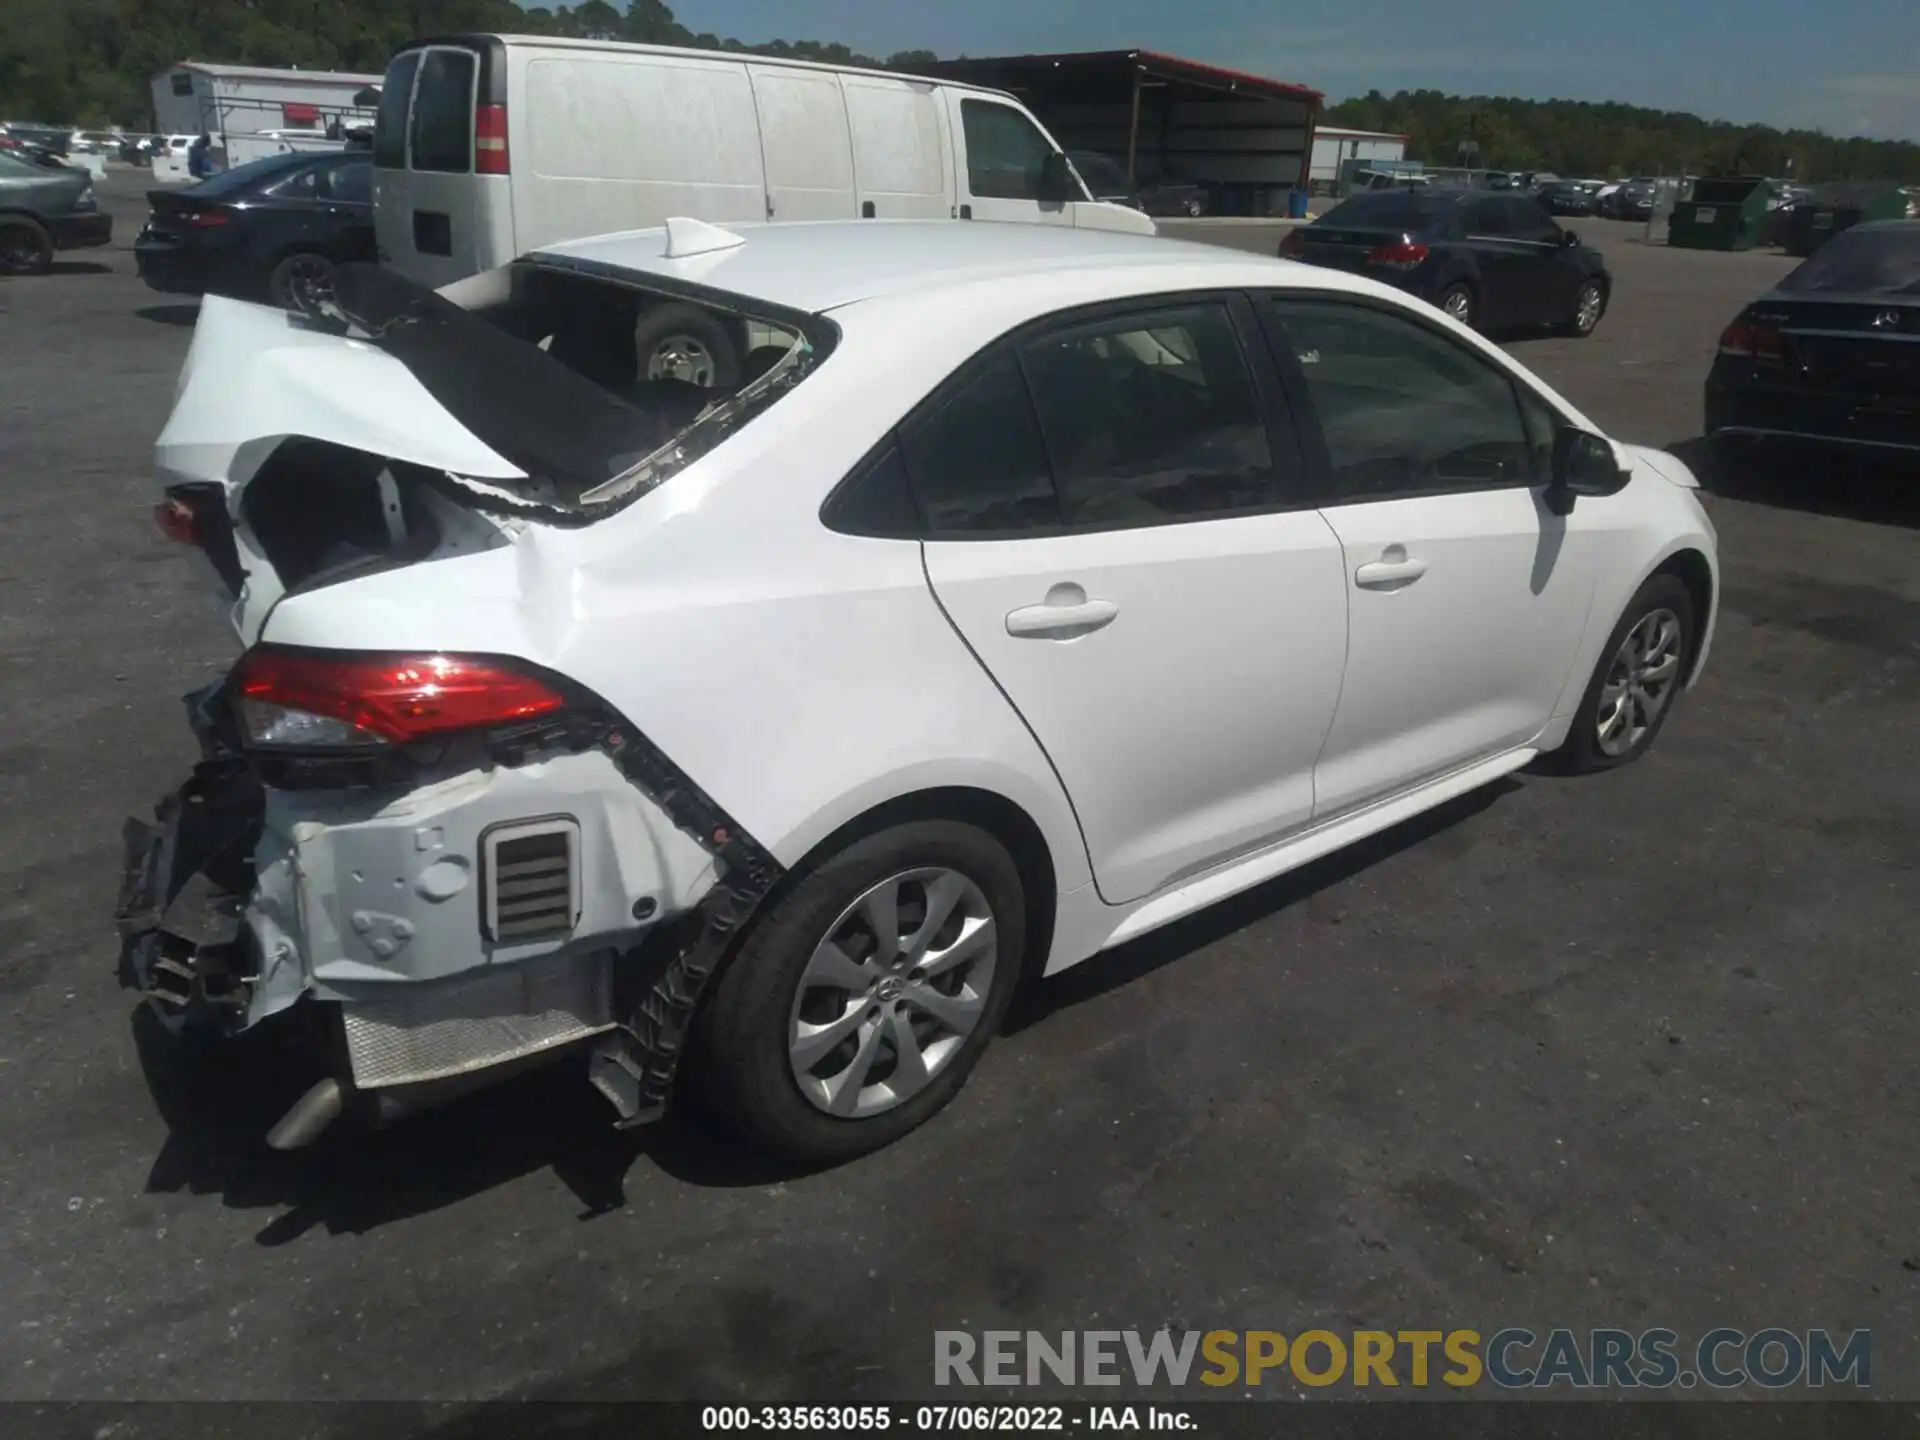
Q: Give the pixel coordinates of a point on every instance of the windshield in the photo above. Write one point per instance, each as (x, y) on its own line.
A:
(1387, 210)
(1862, 261)
(549, 373)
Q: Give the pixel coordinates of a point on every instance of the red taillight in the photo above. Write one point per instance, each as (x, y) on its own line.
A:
(1398, 252)
(1751, 340)
(490, 140)
(201, 219)
(306, 699)
(177, 521)
(1291, 243)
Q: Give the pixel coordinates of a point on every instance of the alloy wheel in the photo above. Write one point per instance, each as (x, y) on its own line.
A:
(1588, 314)
(1639, 684)
(682, 357)
(892, 992)
(19, 249)
(306, 284)
(1458, 304)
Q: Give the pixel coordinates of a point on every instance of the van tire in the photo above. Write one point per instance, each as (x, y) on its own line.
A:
(25, 246)
(686, 342)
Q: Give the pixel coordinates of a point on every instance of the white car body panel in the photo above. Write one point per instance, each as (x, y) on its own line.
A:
(1240, 623)
(1249, 708)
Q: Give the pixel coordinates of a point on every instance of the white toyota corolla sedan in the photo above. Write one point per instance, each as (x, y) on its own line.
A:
(1025, 590)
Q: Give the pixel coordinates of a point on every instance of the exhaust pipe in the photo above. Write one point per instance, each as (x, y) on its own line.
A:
(309, 1116)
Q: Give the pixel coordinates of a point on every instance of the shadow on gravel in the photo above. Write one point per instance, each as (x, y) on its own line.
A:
(218, 1105)
(169, 314)
(1818, 482)
(1129, 962)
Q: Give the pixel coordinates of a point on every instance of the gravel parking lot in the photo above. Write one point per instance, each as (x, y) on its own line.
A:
(1635, 1050)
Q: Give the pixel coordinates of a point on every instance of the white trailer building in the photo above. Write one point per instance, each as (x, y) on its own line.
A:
(252, 112)
(1332, 145)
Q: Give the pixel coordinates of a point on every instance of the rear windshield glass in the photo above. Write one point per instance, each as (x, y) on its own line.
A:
(1862, 262)
(1386, 210)
(254, 172)
(390, 124)
(549, 372)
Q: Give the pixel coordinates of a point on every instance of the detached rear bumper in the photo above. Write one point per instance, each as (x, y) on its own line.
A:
(475, 922)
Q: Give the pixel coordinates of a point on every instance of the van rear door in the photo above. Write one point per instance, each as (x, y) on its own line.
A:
(903, 164)
(443, 206)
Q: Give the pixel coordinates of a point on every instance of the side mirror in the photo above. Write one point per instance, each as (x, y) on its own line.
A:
(1584, 464)
(1056, 180)
(1568, 239)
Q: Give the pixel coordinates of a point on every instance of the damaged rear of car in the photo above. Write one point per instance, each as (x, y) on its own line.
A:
(452, 859)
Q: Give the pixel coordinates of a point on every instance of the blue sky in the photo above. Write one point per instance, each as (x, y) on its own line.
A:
(1845, 66)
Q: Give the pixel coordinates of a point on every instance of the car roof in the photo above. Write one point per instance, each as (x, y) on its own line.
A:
(815, 266)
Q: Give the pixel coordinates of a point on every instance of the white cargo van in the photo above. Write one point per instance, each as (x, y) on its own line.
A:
(490, 146)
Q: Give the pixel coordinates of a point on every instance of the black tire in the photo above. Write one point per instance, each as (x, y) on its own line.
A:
(25, 246)
(1582, 753)
(1574, 325)
(1460, 302)
(741, 1043)
(300, 280)
(662, 326)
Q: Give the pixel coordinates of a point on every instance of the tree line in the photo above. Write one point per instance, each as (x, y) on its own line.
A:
(1577, 138)
(92, 62)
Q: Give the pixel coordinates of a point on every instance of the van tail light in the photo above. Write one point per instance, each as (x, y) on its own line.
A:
(295, 698)
(1399, 254)
(1292, 244)
(490, 140)
(1752, 340)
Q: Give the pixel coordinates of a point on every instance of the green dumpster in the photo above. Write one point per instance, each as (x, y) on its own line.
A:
(1841, 206)
(1726, 214)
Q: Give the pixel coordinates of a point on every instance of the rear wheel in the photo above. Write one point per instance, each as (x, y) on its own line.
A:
(687, 343)
(1458, 302)
(856, 1008)
(1588, 306)
(1640, 673)
(303, 283)
(25, 246)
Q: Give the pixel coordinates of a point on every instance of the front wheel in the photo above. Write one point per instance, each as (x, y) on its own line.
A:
(687, 343)
(1640, 673)
(855, 1009)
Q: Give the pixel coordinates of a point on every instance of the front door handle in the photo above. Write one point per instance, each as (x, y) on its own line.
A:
(1394, 570)
(1066, 614)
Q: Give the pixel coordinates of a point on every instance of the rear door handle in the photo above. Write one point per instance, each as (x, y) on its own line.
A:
(1067, 614)
(1392, 571)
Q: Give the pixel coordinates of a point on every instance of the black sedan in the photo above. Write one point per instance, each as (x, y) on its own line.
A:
(272, 230)
(1165, 195)
(45, 206)
(1831, 355)
(1494, 261)
(1567, 198)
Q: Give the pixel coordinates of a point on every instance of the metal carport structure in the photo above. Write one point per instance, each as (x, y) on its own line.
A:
(1248, 139)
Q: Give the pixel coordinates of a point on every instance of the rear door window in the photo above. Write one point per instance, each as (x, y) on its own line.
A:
(390, 124)
(1151, 418)
(442, 128)
(977, 460)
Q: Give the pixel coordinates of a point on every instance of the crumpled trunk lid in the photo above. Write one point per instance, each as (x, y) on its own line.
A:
(336, 426)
